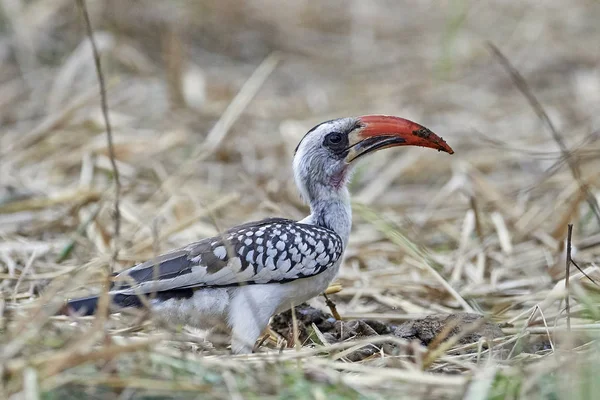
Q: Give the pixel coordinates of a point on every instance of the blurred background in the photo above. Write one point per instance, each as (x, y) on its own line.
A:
(208, 100)
(174, 67)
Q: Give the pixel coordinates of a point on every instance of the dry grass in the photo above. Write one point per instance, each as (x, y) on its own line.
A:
(207, 101)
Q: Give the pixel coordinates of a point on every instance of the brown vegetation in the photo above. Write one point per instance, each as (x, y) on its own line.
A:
(207, 102)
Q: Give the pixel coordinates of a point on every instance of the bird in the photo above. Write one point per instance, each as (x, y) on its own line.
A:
(250, 272)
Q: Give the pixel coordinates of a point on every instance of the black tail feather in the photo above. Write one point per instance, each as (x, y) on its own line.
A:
(83, 306)
(88, 305)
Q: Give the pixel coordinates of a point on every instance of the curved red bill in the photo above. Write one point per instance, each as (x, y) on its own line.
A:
(408, 133)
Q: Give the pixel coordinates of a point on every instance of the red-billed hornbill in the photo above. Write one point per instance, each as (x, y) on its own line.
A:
(253, 271)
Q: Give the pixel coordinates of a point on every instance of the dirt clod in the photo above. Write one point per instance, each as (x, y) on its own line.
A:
(425, 330)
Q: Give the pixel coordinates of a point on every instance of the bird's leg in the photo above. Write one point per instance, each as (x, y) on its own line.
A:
(245, 330)
(249, 314)
(266, 335)
(332, 308)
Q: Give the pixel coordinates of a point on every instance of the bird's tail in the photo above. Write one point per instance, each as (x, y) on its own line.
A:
(88, 305)
(83, 306)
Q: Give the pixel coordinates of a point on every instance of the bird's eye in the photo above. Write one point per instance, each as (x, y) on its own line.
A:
(333, 138)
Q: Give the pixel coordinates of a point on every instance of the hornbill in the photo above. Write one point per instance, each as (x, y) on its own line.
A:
(250, 272)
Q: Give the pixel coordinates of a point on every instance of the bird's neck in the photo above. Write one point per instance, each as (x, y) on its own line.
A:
(331, 209)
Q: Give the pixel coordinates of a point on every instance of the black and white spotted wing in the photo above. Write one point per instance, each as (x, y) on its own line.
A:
(269, 251)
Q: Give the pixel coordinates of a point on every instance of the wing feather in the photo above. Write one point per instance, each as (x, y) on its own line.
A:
(268, 251)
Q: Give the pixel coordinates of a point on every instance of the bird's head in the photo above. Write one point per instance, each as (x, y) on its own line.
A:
(323, 158)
